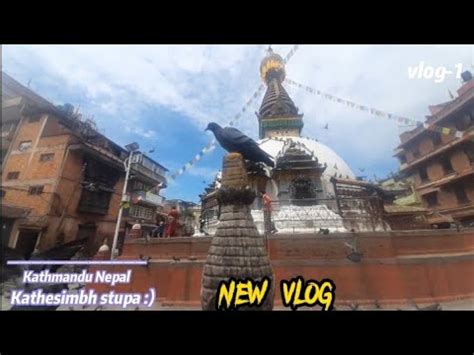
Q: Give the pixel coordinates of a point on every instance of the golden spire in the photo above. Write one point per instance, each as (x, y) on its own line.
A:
(272, 67)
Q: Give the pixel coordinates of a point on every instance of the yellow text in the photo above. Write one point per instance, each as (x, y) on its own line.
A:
(296, 293)
(237, 293)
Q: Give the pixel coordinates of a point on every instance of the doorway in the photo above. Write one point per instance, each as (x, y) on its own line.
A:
(88, 231)
(7, 226)
(26, 242)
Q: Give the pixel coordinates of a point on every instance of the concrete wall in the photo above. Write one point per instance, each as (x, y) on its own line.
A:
(397, 267)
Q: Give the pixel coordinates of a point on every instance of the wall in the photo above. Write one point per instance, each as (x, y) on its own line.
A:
(60, 176)
(32, 170)
(69, 194)
(397, 267)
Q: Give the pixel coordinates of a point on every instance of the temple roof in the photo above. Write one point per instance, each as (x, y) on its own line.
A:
(335, 165)
(277, 102)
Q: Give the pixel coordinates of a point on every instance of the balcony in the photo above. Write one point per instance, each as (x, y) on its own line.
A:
(397, 151)
(147, 198)
(468, 136)
(456, 176)
(11, 109)
(141, 212)
(96, 202)
(147, 173)
(148, 168)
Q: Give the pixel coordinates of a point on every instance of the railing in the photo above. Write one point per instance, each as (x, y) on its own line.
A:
(149, 197)
(141, 212)
(318, 215)
(148, 173)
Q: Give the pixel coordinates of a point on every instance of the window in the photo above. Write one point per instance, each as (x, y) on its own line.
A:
(464, 121)
(140, 186)
(423, 175)
(94, 201)
(416, 153)
(403, 159)
(446, 164)
(302, 188)
(461, 194)
(25, 145)
(431, 199)
(436, 140)
(141, 212)
(46, 157)
(2, 193)
(13, 175)
(35, 190)
(104, 178)
(34, 118)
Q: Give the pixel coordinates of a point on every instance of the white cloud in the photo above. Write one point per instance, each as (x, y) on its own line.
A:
(204, 172)
(145, 133)
(211, 83)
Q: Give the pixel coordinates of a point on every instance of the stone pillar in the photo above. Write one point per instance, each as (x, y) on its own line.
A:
(237, 250)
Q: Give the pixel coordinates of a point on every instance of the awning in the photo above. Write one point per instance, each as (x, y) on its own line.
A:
(429, 191)
(394, 209)
(440, 219)
(9, 211)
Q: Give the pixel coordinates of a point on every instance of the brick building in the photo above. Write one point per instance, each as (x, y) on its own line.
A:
(442, 165)
(61, 177)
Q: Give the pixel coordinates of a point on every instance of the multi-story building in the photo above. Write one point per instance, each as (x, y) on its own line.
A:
(144, 190)
(442, 165)
(64, 173)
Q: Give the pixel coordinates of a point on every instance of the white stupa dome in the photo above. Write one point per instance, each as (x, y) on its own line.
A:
(325, 155)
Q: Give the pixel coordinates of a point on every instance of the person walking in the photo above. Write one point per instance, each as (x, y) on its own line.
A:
(161, 229)
(269, 227)
(172, 223)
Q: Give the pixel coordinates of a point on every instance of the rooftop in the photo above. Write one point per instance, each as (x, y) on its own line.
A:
(442, 111)
(16, 89)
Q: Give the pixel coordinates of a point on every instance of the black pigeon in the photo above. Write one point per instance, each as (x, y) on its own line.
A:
(232, 140)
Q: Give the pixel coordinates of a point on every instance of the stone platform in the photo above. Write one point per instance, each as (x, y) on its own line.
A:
(302, 219)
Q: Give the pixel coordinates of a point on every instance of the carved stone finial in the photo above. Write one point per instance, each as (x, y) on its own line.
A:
(237, 249)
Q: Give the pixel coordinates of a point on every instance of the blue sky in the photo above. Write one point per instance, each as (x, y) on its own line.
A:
(163, 96)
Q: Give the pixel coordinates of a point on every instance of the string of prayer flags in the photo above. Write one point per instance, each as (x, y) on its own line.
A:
(378, 113)
(212, 143)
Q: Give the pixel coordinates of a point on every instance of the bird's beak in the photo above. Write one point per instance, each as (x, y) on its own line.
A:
(207, 129)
